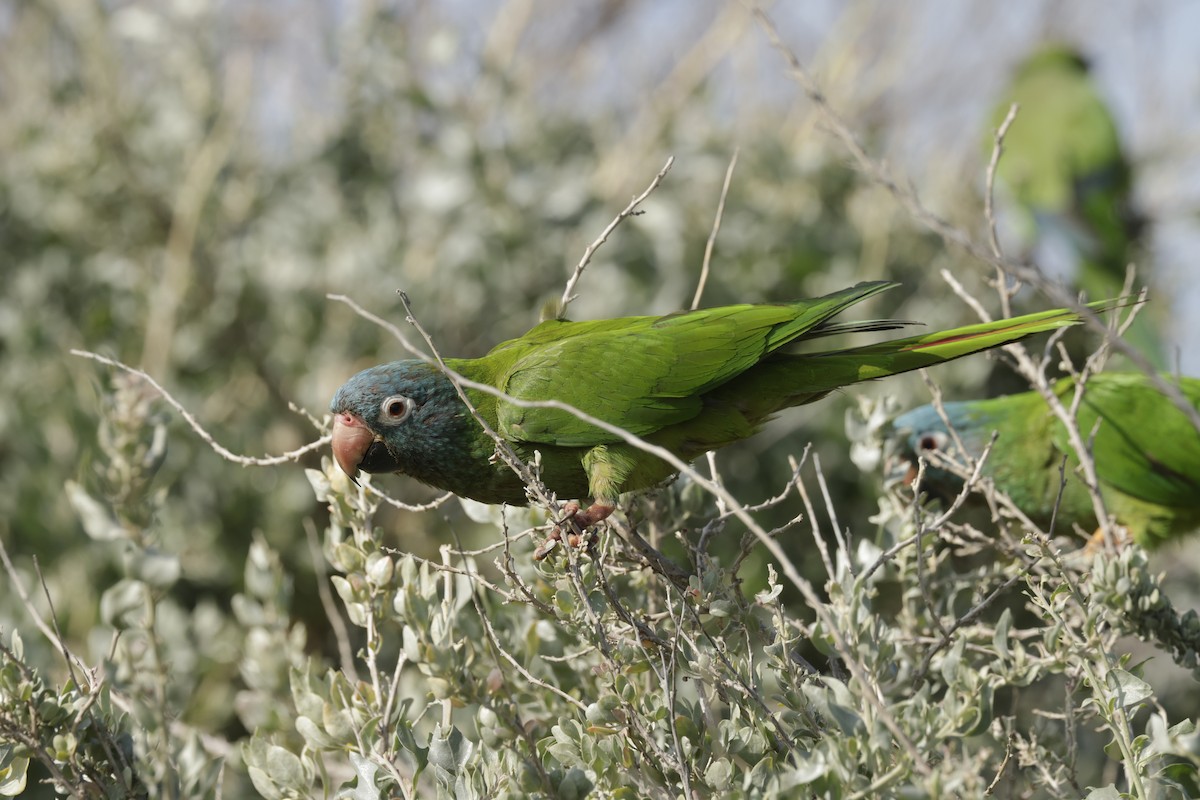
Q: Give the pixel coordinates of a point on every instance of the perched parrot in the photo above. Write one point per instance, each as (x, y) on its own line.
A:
(689, 382)
(1146, 452)
(1064, 169)
(1063, 164)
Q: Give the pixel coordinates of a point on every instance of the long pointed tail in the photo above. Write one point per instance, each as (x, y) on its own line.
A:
(914, 352)
(800, 378)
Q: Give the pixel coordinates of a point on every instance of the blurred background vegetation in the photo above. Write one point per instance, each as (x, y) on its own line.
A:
(183, 182)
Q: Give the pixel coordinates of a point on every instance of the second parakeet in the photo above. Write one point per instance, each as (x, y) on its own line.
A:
(1146, 453)
(1064, 166)
(689, 382)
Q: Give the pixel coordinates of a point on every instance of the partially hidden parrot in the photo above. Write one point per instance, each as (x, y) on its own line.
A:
(1063, 164)
(689, 382)
(1145, 449)
(1065, 170)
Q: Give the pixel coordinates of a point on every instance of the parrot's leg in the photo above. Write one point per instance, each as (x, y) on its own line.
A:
(573, 524)
(607, 468)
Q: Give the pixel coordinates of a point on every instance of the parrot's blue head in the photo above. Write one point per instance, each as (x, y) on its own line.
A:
(392, 417)
(922, 433)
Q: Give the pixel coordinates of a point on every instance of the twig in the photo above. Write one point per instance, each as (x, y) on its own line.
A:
(840, 535)
(27, 602)
(340, 633)
(818, 539)
(712, 236)
(671, 685)
(391, 501)
(205, 436)
(1008, 751)
(989, 210)
(508, 568)
(964, 620)
(568, 293)
(791, 484)
(58, 637)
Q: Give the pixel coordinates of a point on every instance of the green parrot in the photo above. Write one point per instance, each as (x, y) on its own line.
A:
(1146, 452)
(1064, 166)
(689, 382)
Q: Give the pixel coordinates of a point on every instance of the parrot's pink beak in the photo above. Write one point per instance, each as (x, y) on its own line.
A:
(351, 438)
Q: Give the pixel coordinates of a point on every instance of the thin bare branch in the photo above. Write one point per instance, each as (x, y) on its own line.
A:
(51, 635)
(205, 436)
(989, 209)
(568, 294)
(716, 227)
(341, 633)
(437, 502)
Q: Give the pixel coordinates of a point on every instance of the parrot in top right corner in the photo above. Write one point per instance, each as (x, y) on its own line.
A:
(1068, 180)
(1146, 453)
(1064, 166)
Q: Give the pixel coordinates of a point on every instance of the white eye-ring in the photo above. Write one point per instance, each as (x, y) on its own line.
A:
(395, 409)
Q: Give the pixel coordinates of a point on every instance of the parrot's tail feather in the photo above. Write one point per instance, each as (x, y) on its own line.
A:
(1005, 331)
(957, 342)
(812, 316)
(793, 379)
(861, 326)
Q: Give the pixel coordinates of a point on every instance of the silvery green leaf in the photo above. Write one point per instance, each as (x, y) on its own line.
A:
(122, 600)
(449, 750)
(157, 569)
(1127, 689)
(98, 522)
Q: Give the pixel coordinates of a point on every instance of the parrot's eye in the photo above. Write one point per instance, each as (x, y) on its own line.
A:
(395, 409)
(933, 440)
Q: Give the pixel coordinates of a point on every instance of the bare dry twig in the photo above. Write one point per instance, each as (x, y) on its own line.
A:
(712, 236)
(205, 436)
(569, 292)
(989, 198)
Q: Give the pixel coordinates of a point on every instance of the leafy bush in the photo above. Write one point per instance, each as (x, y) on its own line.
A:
(176, 626)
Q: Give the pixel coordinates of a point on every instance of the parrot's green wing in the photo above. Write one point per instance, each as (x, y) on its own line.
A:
(1144, 446)
(646, 373)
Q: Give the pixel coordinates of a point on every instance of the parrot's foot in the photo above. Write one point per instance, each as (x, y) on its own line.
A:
(596, 512)
(574, 524)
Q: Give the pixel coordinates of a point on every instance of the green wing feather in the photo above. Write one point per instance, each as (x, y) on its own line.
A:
(647, 373)
(1143, 446)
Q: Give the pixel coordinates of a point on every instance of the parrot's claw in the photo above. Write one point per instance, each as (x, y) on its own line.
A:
(573, 527)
